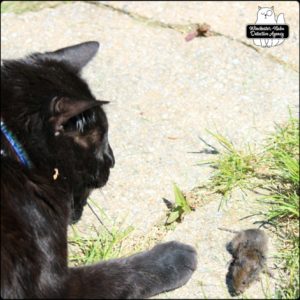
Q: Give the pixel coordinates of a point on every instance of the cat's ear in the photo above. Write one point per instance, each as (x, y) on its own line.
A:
(272, 8)
(63, 109)
(78, 55)
(259, 7)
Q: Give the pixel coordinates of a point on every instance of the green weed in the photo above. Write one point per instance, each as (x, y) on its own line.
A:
(180, 208)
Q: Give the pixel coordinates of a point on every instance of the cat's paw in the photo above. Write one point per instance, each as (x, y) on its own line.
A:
(165, 267)
(173, 264)
(178, 257)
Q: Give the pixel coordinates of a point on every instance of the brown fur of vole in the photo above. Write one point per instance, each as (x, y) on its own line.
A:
(248, 249)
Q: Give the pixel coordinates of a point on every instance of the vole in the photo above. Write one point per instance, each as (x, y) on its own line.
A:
(248, 249)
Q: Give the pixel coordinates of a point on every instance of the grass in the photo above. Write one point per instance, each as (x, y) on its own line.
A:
(101, 243)
(103, 246)
(233, 169)
(288, 287)
(277, 170)
(283, 160)
(19, 7)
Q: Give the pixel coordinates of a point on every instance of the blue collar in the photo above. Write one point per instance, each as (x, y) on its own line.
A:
(15, 145)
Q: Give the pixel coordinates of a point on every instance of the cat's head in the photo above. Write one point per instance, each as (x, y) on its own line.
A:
(53, 114)
(265, 15)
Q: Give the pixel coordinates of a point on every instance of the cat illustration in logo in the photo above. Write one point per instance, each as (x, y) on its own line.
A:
(266, 15)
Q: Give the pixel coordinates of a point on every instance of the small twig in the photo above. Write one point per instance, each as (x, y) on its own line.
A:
(250, 216)
(201, 30)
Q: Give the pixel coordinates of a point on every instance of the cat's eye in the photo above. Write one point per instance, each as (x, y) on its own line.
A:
(269, 13)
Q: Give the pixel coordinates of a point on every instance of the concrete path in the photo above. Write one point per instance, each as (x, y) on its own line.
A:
(165, 92)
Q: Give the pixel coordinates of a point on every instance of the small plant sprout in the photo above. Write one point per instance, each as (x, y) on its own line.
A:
(180, 208)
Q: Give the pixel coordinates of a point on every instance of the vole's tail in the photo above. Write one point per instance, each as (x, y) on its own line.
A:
(229, 230)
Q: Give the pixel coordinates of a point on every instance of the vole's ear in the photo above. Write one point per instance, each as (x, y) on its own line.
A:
(77, 56)
(63, 109)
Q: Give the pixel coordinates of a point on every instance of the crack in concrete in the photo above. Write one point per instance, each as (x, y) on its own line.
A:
(186, 28)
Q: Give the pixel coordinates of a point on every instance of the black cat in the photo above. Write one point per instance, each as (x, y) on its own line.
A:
(54, 151)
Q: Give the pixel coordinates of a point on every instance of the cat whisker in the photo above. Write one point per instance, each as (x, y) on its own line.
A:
(98, 218)
(103, 102)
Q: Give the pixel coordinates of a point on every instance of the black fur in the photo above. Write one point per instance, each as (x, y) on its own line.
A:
(64, 131)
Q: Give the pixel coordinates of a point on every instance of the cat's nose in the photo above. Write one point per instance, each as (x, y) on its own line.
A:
(109, 156)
